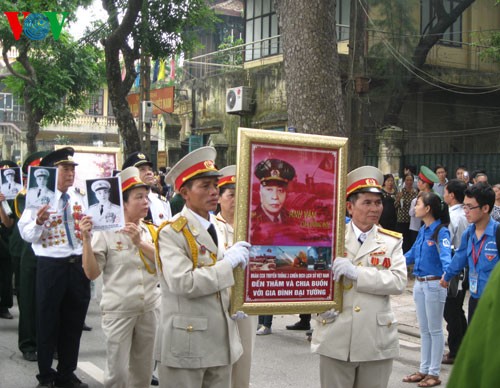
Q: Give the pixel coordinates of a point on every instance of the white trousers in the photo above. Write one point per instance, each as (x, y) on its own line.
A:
(129, 349)
(240, 376)
(214, 377)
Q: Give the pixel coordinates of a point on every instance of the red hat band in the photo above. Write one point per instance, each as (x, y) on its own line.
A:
(361, 184)
(425, 179)
(130, 182)
(198, 168)
(227, 180)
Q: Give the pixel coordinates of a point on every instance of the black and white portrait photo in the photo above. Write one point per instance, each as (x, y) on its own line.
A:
(105, 204)
(42, 183)
(11, 182)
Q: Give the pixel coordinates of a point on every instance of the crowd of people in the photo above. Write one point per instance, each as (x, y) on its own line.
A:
(168, 273)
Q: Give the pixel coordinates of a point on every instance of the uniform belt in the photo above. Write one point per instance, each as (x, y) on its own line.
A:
(427, 278)
(73, 259)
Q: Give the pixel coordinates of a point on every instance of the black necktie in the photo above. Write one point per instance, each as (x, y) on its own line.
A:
(362, 238)
(100, 211)
(149, 216)
(211, 231)
(39, 191)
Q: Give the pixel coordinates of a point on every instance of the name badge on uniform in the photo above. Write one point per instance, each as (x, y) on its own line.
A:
(473, 282)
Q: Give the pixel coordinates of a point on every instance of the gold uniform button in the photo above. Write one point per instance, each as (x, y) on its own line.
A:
(189, 328)
(389, 324)
(323, 321)
(357, 309)
(360, 264)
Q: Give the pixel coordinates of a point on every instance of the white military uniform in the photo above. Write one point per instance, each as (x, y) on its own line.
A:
(366, 329)
(105, 213)
(197, 335)
(129, 305)
(240, 375)
(10, 189)
(37, 197)
(160, 208)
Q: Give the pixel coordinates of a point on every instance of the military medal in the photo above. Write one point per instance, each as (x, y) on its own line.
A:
(119, 246)
(161, 216)
(203, 249)
(387, 262)
(375, 261)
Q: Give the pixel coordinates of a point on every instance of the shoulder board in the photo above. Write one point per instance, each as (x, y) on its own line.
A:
(220, 219)
(390, 233)
(179, 223)
(162, 197)
(79, 191)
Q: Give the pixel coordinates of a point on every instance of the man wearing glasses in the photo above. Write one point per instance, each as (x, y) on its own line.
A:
(478, 247)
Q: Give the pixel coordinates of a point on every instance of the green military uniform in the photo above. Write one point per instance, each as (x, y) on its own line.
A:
(6, 270)
(27, 282)
(477, 362)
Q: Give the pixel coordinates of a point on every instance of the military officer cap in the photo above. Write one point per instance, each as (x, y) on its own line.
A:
(197, 164)
(130, 178)
(228, 178)
(365, 179)
(137, 159)
(274, 172)
(99, 185)
(41, 172)
(9, 171)
(7, 164)
(427, 175)
(60, 156)
(33, 160)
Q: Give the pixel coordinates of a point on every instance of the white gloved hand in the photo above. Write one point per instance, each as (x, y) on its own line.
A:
(239, 315)
(344, 266)
(328, 316)
(238, 254)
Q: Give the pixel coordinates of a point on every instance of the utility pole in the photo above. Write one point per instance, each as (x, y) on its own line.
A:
(357, 83)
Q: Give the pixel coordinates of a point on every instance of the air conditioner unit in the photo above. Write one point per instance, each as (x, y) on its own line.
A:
(238, 99)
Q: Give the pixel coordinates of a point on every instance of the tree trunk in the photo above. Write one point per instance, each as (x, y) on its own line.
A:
(33, 118)
(427, 41)
(314, 95)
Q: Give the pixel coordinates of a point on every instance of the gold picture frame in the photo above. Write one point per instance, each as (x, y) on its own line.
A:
(290, 260)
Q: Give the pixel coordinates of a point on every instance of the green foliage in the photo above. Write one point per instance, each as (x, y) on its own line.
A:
(395, 36)
(63, 72)
(230, 57)
(492, 52)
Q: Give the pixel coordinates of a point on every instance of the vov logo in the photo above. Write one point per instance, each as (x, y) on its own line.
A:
(36, 26)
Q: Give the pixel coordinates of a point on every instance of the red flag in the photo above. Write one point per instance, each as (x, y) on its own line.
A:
(327, 164)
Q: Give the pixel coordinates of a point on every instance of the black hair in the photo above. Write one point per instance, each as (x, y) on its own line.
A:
(483, 193)
(412, 168)
(439, 209)
(126, 193)
(457, 187)
(474, 174)
(438, 166)
(387, 176)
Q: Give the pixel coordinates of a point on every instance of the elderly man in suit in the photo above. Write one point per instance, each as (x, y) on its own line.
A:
(197, 340)
(357, 346)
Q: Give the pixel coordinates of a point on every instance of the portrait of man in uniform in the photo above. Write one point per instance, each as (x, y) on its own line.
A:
(41, 186)
(105, 213)
(11, 182)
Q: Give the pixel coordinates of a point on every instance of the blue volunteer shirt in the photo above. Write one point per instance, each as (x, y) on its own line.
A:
(488, 257)
(424, 252)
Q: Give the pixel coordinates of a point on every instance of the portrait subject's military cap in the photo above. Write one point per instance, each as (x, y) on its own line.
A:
(364, 179)
(33, 160)
(427, 175)
(60, 156)
(99, 185)
(9, 171)
(137, 159)
(130, 178)
(41, 172)
(197, 164)
(228, 178)
(7, 164)
(274, 171)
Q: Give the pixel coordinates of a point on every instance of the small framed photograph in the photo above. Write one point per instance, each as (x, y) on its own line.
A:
(105, 203)
(291, 208)
(41, 187)
(12, 181)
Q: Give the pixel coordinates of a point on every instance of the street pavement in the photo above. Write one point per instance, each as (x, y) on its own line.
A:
(281, 360)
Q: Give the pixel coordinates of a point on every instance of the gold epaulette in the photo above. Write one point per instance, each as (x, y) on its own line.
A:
(179, 223)
(390, 233)
(79, 191)
(17, 208)
(220, 219)
(162, 197)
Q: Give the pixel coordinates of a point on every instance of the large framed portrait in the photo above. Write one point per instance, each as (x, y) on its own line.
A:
(94, 162)
(291, 208)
